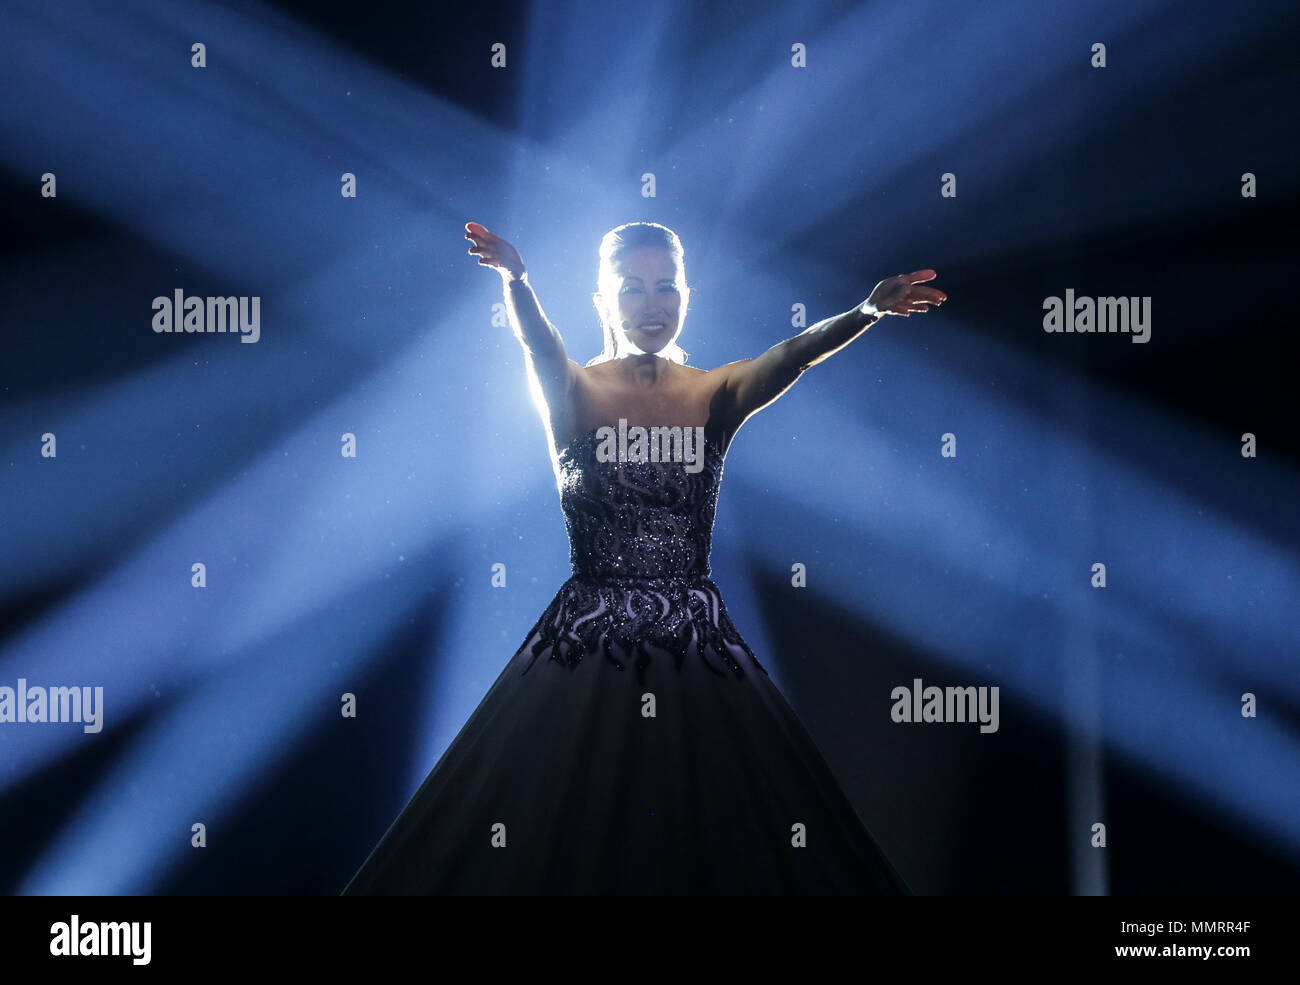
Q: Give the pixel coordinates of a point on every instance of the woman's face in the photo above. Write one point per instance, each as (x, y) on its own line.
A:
(650, 305)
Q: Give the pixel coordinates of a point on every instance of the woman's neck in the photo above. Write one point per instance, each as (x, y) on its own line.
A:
(644, 368)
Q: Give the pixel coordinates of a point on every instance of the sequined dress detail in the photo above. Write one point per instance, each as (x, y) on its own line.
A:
(639, 542)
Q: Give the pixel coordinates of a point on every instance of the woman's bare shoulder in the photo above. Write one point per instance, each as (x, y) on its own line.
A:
(710, 379)
(705, 377)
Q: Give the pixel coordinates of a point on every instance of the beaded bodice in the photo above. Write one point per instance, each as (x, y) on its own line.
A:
(639, 541)
(638, 519)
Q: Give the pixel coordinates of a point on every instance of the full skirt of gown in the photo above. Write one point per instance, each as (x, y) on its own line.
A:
(633, 744)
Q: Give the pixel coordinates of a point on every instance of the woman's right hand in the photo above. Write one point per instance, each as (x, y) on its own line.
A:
(494, 252)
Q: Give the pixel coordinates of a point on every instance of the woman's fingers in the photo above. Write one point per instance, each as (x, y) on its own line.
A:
(478, 234)
(486, 244)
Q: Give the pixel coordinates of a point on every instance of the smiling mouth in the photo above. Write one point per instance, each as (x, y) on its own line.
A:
(654, 326)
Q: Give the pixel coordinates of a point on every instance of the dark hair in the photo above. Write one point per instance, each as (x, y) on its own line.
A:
(613, 246)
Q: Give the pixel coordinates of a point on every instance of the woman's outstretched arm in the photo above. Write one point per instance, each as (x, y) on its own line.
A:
(549, 367)
(752, 384)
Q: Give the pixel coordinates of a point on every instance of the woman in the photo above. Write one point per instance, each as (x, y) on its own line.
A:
(634, 744)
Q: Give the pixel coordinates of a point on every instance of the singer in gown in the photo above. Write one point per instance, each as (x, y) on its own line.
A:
(634, 744)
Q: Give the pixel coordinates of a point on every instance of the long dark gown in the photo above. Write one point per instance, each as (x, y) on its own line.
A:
(633, 744)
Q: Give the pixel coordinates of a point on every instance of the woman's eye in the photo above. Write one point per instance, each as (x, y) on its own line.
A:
(630, 290)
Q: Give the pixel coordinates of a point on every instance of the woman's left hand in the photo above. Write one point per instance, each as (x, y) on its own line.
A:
(901, 295)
